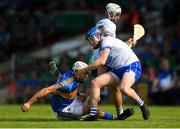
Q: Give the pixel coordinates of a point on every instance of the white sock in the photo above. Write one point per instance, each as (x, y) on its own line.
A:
(119, 111)
(140, 102)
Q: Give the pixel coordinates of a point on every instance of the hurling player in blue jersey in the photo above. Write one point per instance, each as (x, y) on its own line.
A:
(66, 102)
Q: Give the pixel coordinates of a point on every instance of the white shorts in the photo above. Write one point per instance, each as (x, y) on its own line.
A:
(73, 111)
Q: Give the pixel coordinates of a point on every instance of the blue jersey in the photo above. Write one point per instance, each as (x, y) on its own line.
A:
(67, 89)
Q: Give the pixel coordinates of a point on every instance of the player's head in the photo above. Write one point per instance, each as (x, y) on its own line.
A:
(94, 36)
(113, 11)
(79, 65)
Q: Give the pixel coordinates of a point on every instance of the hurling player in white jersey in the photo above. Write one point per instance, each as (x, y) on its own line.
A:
(107, 27)
(125, 70)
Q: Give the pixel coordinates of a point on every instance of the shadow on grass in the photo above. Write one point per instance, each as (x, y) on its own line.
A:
(27, 120)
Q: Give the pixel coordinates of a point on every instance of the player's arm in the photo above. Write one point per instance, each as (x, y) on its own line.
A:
(101, 70)
(100, 61)
(40, 94)
(96, 64)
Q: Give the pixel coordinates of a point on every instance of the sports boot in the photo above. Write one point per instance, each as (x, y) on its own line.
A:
(145, 111)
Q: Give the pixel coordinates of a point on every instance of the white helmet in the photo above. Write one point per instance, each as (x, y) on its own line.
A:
(79, 65)
(114, 8)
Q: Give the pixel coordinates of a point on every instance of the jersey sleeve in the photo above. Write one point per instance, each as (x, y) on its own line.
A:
(100, 24)
(106, 43)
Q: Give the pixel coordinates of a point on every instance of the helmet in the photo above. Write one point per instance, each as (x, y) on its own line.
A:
(92, 32)
(114, 8)
(78, 65)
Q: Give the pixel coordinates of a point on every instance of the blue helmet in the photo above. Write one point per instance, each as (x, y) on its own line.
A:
(92, 32)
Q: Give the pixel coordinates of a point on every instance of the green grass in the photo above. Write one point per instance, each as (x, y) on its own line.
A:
(41, 116)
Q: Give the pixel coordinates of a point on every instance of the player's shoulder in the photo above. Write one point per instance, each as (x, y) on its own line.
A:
(113, 40)
(105, 20)
(68, 73)
(107, 40)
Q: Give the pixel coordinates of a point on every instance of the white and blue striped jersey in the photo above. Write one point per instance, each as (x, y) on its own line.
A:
(121, 54)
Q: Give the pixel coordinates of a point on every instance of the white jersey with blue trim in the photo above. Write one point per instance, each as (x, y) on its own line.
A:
(121, 54)
(106, 26)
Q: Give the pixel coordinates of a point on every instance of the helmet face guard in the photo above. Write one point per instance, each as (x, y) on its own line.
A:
(91, 37)
(92, 33)
(94, 42)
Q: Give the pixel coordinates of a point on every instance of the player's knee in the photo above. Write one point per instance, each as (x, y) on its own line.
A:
(124, 90)
(94, 83)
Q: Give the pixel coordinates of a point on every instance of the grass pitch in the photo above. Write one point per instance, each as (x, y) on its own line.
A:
(41, 116)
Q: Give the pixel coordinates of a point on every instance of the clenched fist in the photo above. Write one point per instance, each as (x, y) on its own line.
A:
(25, 107)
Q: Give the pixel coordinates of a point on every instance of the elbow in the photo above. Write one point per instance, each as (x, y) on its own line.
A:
(45, 91)
(101, 62)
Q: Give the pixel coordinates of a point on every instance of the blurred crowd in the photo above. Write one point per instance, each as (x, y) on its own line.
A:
(30, 25)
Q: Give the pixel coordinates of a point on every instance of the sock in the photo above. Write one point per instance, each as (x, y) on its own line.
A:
(107, 116)
(119, 111)
(93, 111)
(140, 102)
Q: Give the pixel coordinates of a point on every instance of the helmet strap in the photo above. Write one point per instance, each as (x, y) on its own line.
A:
(110, 16)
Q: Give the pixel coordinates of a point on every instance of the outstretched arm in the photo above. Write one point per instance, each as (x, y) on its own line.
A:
(40, 94)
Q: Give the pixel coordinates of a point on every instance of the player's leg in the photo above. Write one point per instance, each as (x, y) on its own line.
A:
(77, 109)
(74, 111)
(100, 114)
(126, 84)
(105, 115)
(106, 79)
(117, 96)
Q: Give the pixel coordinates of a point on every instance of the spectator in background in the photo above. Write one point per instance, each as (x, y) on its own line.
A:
(11, 92)
(163, 83)
(34, 82)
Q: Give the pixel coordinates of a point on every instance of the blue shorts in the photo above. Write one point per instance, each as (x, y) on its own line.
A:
(134, 67)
